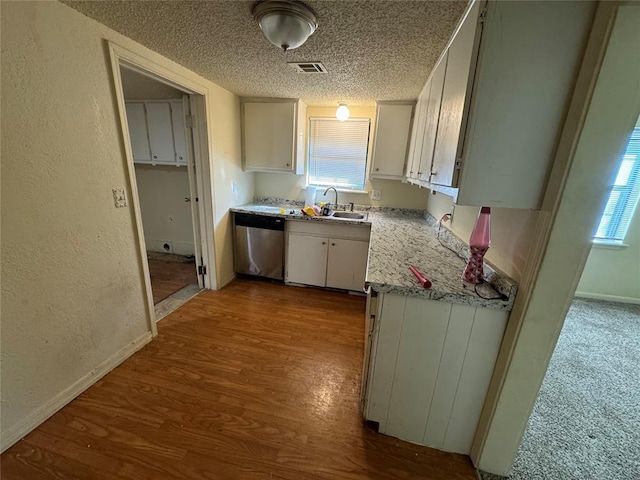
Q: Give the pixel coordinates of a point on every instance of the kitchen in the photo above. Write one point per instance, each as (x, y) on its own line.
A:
(511, 229)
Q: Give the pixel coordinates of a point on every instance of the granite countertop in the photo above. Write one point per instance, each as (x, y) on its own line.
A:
(398, 241)
(400, 238)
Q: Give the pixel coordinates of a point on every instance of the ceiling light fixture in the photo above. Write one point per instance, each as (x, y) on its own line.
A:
(286, 24)
(342, 113)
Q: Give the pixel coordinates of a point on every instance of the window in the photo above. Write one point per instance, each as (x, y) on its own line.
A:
(338, 152)
(624, 195)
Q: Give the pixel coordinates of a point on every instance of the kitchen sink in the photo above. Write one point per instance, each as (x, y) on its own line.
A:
(350, 215)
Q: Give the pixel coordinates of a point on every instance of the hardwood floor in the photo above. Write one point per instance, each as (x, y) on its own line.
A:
(169, 273)
(256, 381)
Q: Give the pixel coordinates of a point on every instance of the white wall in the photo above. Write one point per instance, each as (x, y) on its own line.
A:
(393, 192)
(166, 217)
(140, 87)
(613, 273)
(511, 231)
(73, 300)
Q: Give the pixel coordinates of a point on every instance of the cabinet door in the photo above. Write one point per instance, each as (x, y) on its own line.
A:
(415, 144)
(269, 129)
(422, 120)
(137, 122)
(455, 98)
(431, 120)
(179, 132)
(347, 264)
(160, 132)
(391, 138)
(301, 144)
(307, 259)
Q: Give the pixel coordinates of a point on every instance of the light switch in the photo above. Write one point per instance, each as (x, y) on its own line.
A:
(376, 194)
(119, 197)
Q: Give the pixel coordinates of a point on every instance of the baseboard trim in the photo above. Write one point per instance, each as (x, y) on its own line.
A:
(608, 298)
(226, 281)
(23, 427)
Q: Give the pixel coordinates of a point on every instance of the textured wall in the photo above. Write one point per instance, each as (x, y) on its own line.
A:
(511, 231)
(72, 285)
(165, 215)
(394, 193)
(614, 273)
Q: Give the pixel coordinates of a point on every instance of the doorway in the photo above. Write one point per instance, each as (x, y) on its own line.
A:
(196, 151)
(159, 120)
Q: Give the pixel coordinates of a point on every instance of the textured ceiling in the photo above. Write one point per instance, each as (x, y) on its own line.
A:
(372, 49)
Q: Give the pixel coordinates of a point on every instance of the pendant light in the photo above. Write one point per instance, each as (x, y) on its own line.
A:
(286, 24)
(342, 113)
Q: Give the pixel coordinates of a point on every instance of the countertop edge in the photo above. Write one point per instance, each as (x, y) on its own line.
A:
(499, 281)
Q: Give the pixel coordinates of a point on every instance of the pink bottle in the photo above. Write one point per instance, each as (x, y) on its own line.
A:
(478, 246)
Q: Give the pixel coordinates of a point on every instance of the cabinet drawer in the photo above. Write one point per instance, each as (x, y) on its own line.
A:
(329, 229)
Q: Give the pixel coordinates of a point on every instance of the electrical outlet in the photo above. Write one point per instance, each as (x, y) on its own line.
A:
(234, 188)
(376, 194)
(119, 197)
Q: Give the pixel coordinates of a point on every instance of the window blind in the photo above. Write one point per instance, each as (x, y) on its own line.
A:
(338, 152)
(624, 195)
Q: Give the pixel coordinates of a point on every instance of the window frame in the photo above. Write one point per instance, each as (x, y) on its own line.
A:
(308, 183)
(624, 207)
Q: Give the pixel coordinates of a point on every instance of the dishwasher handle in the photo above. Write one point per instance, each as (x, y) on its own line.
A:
(259, 221)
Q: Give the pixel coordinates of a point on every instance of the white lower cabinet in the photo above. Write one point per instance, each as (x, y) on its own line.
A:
(307, 259)
(327, 255)
(347, 263)
(429, 369)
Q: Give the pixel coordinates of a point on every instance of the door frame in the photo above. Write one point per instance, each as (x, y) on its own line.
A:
(603, 110)
(199, 95)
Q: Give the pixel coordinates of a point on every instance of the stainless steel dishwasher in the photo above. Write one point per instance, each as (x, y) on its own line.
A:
(259, 245)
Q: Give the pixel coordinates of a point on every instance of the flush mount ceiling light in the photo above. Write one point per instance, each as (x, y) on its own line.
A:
(342, 113)
(286, 24)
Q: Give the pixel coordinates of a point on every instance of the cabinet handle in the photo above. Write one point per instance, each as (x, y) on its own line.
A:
(434, 172)
(155, 156)
(288, 165)
(419, 173)
(377, 169)
(324, 243)
(333, 244)
(180, 158)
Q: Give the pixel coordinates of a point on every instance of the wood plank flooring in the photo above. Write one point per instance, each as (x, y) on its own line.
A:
(255, 381)
(169, 273)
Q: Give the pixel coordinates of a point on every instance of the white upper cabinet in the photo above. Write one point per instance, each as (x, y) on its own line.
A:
(393, 127)
(433, 104)
(160, 132)
(179, 133)
(455, 95)
(157, 132)
(509, 74)
(138, 133)
(273, 135)
(415, 145)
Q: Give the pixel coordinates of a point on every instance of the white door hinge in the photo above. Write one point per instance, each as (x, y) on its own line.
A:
(189, 121)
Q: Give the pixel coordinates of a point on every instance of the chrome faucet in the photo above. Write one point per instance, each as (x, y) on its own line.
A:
(336, 192)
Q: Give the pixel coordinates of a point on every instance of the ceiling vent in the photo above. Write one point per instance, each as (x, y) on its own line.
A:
(308, 67)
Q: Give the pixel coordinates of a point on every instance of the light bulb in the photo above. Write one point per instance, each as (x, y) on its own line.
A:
(342, 113)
